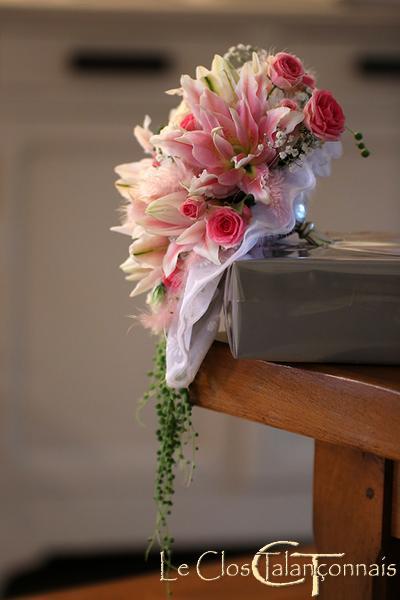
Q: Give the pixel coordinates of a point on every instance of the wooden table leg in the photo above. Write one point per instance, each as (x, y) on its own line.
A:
(396, 501)
(349, 516)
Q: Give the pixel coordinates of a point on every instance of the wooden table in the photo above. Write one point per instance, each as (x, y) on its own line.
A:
(353, 414)
(149, 587)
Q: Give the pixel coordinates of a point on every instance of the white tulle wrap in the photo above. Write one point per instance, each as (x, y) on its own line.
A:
(196, 321)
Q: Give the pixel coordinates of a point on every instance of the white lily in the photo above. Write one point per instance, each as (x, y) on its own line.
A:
(129, 174)
(149, 250)
(221, 78)
(146, 275)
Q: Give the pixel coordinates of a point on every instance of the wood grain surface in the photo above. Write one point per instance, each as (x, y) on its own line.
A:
(358, 406)
(349, 498)
(149, 587)
(395, 529)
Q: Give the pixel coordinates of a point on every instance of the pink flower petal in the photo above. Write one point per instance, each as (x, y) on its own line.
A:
(171, 257)
(223, 147)
(257, 185)
(192, 90)
(203, 149)
(231, 177)
(291, 120)
(208, 249)
(157, 227)
(247, 89)
(274, 116)
(249, 123)
(193, 234)
(168, 141)
(240, 130)
(214, 103)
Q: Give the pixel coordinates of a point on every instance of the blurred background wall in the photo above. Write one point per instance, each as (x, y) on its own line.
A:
(76, 470)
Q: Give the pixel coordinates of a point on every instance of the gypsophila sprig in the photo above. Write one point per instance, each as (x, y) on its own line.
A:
(177, 446)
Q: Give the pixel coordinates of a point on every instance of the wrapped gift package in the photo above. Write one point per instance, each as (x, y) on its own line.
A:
(293, 302)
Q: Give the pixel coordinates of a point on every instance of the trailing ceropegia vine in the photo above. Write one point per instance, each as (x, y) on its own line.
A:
(177, 447)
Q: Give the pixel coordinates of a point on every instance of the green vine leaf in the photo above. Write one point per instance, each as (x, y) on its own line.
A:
(177, 447)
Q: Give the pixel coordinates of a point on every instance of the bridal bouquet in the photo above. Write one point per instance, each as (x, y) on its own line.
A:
(235, 163)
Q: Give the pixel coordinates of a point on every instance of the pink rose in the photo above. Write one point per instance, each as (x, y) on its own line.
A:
(324, 116)
(309, 80)
(226, 227)
(189, 123)
(193, 207)
(286, 70)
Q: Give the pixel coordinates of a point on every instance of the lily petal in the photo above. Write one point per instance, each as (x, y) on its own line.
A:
(193, 234)
(166, 209)
(171, 257)
(147, 283)
(208, 249)
(148, 243)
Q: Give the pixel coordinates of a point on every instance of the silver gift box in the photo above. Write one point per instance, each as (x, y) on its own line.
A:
(293, 302)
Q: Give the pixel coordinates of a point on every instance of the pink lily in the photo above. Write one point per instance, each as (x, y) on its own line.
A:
(195, 238)
(234, 143)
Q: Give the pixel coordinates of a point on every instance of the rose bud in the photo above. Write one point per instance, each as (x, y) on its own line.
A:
(193, 207)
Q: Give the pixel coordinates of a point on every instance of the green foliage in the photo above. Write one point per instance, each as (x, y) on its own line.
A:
(158, 294)
(358, 137)
(176, 439)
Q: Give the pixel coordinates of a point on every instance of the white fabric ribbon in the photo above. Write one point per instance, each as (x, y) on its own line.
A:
(196, 320)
